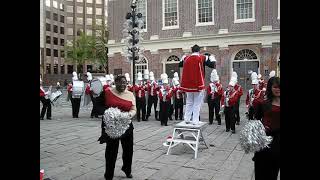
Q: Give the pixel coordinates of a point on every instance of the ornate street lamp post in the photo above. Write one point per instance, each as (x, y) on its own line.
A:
(133, 33)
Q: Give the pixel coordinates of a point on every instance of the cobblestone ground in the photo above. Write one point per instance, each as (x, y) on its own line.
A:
(69, 150)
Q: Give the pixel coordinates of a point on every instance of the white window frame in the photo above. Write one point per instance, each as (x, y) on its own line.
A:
(141, 64)
(197, 15)
(163, 18)
(48, 3)
(244, 20)
(100, 10)
(278, 9)
(89, 10)
(146, 15)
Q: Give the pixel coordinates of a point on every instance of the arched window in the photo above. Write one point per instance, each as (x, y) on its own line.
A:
(246, 54)
(141, 66)
(173, 58)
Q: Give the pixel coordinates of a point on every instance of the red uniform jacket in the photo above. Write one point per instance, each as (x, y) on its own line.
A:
(140, 90)
(262, 84)
(69, 88)
(192, 79)
(257, 98)
(130, 87)
(178, 94)
(239, 90)
(233, 98)
(152, 89)
(42, 92)
(88, 92)
(216, 94)
(165, 91)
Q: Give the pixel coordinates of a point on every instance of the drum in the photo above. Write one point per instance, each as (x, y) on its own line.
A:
(77, 89)
(96, 87)
(55, 96)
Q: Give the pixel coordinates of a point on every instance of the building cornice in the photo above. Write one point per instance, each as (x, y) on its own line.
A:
(220, 40)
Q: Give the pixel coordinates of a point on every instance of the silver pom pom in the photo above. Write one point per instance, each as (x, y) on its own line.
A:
(116, 122)
(253, 137)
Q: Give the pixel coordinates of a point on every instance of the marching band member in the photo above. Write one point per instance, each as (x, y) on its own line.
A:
(75, 100)
(214, 92)
(178, 99)
(46, 103)
(228, 103)
(192, 82)
(165, 94)
(153, 89)
(262, 84)
(254, 96)
(139, 90)
(88, 92)
(239, 90)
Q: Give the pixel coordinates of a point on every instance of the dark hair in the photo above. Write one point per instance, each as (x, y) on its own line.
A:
(272, 81)
(119, 77)
(195, 48)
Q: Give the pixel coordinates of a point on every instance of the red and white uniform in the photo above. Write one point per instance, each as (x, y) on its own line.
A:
(217, 92)
(262, 85)
(152, 88)
(192, 79)
(232, 99)
(88, 91)
(165, 93)
(239, 90)
(178, 94)
(140, 90)
(42, 92)
(106, 86)
(254, 97)
(69, 88)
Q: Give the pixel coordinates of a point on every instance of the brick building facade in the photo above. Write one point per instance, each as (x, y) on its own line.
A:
(243, 35)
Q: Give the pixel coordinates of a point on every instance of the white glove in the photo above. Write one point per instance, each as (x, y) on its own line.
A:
(182, 58)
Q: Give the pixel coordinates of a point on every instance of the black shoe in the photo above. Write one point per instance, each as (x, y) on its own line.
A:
(219, 123)
(41, 118)
(96, 116)
(227, 130)
(49, 118)
(129, 175)
(91, 116)
(170, 118)
(238, 123)
(139, 120)
(210, 122)
(233, 131)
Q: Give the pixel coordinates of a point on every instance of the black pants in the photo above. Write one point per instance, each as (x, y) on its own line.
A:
(45, 108)
(230, 117)
(267, 161)
(75, 103)
(178, 108)
(94, 111)
(141, 106)
(112, 152)
(152, 100)
(214, 108)
(237, 116)
(171, 109)
(251, 113)
(164, 112)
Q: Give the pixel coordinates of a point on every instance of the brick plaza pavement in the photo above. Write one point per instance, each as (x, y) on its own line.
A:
(69, 150)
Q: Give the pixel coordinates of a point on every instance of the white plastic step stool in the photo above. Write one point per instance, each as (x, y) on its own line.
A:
(188, 134)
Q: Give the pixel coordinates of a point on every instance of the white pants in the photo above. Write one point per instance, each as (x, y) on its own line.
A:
(194, 101)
